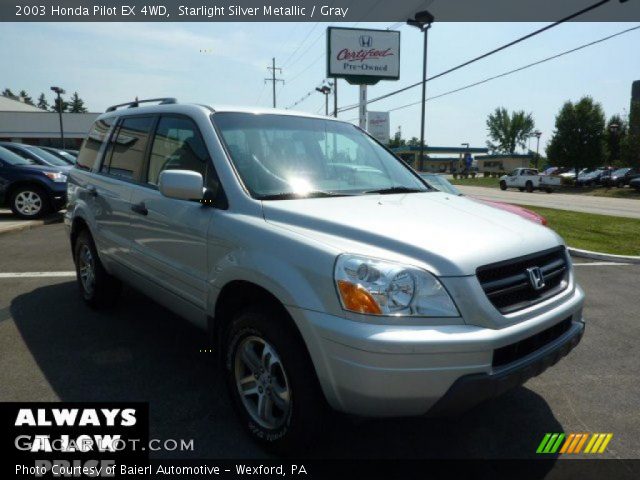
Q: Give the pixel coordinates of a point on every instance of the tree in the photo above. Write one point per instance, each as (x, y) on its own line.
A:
(77, 104)
(42, 102)
(614, 137)
(59, 105)
(8, 93)
(508, 132)
(397, 140)
(578, 138)
(25, 96)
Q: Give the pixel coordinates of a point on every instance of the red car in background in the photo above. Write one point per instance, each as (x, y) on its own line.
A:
(441, 183)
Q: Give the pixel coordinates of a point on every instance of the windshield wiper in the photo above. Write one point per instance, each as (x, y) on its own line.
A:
(293, 196)
(399, 189)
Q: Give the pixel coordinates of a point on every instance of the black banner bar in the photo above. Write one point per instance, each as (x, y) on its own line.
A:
(312, 10)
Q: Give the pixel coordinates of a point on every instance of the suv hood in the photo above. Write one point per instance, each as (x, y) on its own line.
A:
(450, 235)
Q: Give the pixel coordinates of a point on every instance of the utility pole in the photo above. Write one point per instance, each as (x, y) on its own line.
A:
(273, 78)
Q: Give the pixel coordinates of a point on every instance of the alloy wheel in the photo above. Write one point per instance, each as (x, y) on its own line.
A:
(86, 268)
(28, 203)
(262, 382)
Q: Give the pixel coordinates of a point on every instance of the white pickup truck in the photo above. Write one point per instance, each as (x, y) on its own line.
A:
(529, 179)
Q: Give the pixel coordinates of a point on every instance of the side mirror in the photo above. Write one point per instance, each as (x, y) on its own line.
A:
(181, 184)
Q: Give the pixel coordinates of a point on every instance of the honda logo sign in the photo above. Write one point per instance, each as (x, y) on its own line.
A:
(363, 56)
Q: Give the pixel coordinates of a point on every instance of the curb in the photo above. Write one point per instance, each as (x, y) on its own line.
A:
(576, 252)
(29, 224)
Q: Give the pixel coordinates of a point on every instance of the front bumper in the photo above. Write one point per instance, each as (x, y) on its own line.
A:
(470, 390)
(392, 370)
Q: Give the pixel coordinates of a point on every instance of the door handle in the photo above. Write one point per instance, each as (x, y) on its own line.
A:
(91, 190)
(140, 208)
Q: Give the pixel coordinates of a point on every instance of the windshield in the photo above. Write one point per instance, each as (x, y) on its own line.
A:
(282, 157)
(49, 158)
(620, 172)
(440, 183)
(12, 159)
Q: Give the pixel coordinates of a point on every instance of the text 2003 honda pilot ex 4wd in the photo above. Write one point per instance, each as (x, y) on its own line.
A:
(326, 270)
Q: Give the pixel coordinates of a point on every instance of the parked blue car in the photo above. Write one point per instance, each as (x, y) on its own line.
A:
(36, 155)
(30, 190)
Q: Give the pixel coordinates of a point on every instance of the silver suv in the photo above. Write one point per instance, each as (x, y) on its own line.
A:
(327, 272)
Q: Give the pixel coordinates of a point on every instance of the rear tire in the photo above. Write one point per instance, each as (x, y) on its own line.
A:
(503, 185)
(30, 202)
(98, 289)
(283, 406)
(529, 186)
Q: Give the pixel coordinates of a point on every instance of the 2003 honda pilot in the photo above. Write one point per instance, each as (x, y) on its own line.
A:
(328, 273)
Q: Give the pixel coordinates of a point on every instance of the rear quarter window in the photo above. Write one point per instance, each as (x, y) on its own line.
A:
(93, 144)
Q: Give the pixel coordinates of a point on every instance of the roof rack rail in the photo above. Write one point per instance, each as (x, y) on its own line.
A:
(136, 103)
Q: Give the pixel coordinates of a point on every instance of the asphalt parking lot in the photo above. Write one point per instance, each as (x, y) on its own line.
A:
(54, 348)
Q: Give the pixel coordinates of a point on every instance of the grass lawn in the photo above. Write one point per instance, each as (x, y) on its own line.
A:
(600, 233)
(477, 182)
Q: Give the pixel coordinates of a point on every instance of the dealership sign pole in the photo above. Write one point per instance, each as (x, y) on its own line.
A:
(363, 57)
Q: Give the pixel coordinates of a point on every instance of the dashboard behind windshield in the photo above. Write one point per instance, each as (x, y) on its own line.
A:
(282, 156)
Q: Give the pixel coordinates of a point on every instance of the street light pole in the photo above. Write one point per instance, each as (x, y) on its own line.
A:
(59, 91)
(423, 21)
(537, 134)
(325, 90)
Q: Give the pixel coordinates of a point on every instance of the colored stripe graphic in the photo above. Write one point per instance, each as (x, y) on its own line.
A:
(606, 441)
(567, 443)
(555, 447)
(573, 443)
(543, 443)
(582, 441)
(577, 439)
(592, 440)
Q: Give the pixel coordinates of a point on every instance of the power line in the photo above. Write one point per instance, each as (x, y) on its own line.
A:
(300, 45)
(510, 72)
(264, 87)
(305, 96)
(484, 55)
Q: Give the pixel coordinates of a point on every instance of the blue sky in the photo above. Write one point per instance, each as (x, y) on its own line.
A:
(225, 63)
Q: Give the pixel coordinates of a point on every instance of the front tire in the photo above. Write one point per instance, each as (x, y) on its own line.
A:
(272, 382)
(29, 202)
(529, 186)
(503, 185)
(98, 289)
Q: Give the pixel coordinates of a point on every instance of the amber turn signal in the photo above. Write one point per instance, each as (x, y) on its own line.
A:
(357, 299)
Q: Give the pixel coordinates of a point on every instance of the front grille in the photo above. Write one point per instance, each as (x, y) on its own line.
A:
(507, 284)
(516, 351)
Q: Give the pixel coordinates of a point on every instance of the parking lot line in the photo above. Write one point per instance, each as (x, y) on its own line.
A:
(37, 274)
(601, 264)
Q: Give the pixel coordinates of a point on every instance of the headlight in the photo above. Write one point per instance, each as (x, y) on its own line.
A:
(376, 287)
(56, 176)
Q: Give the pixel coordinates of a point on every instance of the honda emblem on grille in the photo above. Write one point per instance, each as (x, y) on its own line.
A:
(536, 278)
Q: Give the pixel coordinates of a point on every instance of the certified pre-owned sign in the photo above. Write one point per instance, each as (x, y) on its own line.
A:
(363, 56)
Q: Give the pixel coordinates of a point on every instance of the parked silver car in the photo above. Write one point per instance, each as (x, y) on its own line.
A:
(327, 272)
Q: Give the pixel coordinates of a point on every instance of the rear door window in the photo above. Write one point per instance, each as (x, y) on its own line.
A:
(128, 147)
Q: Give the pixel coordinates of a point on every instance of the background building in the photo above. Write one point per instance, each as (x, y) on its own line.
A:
(24, 123)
